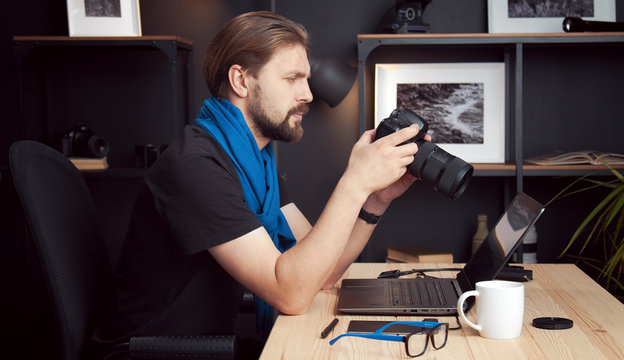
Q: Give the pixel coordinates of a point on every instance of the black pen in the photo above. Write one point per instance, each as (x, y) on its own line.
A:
(329, 328)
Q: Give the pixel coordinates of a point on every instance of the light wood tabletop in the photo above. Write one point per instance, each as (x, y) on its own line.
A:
(558, 290)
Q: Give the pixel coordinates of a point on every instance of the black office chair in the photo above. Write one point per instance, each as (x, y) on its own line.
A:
(67, 236)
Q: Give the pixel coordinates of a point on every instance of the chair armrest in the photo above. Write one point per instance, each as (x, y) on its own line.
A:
(183, 347)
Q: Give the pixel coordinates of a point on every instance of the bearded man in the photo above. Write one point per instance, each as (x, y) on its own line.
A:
(213, 216)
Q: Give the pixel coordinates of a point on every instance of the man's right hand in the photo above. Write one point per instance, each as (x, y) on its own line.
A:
(375, 165)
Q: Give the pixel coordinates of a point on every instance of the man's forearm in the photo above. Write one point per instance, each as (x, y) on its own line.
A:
(306, 268)
(360, 235)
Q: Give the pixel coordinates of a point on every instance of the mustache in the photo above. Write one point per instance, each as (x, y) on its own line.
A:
(301, 108)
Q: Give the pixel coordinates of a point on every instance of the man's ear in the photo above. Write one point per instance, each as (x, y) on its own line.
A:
(238, 81)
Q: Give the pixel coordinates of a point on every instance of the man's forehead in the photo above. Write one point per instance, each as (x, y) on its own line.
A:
(290, 59)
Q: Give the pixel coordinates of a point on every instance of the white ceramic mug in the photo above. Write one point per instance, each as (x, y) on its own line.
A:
(500, 308)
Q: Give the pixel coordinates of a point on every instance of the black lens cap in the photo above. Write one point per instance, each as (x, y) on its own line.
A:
(552, 323)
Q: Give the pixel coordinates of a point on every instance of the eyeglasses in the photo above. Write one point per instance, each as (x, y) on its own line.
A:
(415, 342)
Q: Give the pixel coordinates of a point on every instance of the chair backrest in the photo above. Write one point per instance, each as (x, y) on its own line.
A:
(68, 239)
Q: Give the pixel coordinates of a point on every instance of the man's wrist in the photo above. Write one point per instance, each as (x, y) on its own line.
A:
(374, 206)
(368, 217)
(347, 186)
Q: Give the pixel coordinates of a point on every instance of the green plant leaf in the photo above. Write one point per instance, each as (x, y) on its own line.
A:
(616, 173)
(603, 226)
(616, 208)
(614, 261)
(588, 220)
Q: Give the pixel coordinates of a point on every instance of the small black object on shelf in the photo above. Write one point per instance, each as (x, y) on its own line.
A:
(576, 24)
(146, 155)
(405, 17)
(80, 140)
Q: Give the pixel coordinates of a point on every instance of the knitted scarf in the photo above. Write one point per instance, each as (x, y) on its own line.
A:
(257, 173)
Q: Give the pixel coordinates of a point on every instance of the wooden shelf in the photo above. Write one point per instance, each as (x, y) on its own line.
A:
(522, 36)
(568, 170)
(129, 39)
(510, 169)
(487, 167)
(506, 169)
(532, 167)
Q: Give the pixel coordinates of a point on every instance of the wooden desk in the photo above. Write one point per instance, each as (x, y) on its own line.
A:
(557, 290)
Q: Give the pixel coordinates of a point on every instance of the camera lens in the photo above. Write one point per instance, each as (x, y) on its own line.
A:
(449, 174)
(90, 145)
(97, 146)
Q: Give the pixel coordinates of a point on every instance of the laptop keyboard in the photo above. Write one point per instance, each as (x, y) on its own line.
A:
(409, 293)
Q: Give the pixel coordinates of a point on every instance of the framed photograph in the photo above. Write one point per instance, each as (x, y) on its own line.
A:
(544, 16)
(104, 17)
(464, 104)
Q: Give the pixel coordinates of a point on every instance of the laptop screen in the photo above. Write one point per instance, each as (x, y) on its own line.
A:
(502, 241)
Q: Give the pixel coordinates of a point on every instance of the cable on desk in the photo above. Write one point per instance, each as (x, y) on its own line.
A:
(393, 274)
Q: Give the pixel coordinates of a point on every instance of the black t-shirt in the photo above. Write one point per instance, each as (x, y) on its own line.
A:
(166, 283)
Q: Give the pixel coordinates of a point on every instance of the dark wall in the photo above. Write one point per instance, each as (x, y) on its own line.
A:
(313, 166)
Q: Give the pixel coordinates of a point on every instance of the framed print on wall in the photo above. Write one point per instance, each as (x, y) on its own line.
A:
(544, 16)
(464, 104)
(104, 17)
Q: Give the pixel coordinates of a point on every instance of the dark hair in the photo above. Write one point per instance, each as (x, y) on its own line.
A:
(248, 40)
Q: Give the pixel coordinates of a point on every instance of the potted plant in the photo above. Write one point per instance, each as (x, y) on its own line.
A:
(604, 226)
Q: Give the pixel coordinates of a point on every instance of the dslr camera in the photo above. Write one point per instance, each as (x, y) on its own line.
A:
(448, 174)
(405, 17)
(82, 142)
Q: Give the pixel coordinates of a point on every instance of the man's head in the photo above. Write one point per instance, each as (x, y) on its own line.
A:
(259, 62)
(248, 40)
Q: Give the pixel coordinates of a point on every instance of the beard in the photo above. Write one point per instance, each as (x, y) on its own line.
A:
(271, 124)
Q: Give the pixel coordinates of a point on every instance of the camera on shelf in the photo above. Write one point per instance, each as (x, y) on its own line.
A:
(80, 141)
(448, 174)
(405, 17)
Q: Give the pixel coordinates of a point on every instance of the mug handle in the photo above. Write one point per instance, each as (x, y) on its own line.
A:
(460, 308)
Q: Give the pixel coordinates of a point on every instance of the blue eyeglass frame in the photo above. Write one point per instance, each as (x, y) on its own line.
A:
(377, 335)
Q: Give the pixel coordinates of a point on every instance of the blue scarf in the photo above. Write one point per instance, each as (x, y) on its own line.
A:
(257, 173)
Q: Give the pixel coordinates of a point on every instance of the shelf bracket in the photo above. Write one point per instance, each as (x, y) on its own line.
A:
(167, 47)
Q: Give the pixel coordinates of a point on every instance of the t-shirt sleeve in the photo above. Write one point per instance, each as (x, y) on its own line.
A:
(203, 204)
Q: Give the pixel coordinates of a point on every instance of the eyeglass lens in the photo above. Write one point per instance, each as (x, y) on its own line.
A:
(417, 342)
(439, 335)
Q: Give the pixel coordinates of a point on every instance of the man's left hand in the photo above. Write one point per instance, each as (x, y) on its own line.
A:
(378, 202)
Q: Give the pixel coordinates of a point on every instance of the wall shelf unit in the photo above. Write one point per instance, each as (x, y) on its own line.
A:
(563, 92)
(129, 90)
(591, 61)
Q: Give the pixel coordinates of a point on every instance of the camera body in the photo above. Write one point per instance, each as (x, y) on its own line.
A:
(448, 174)
(405, 17)
(82, 142)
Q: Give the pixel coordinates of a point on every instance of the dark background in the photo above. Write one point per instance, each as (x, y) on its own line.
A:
(313, 165)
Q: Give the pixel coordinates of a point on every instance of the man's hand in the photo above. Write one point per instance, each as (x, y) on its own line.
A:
(378, 202)
(376, 165)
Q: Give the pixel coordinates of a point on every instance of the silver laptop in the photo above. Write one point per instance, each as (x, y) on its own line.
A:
(432, 296)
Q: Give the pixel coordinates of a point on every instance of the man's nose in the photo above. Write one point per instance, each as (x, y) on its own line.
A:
(305, 94)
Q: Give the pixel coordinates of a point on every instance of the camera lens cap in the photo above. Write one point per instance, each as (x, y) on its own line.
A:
(552, 323)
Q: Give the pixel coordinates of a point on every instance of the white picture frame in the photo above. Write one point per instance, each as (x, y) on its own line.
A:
(104, 18)
(486, 83)
(500, 20)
